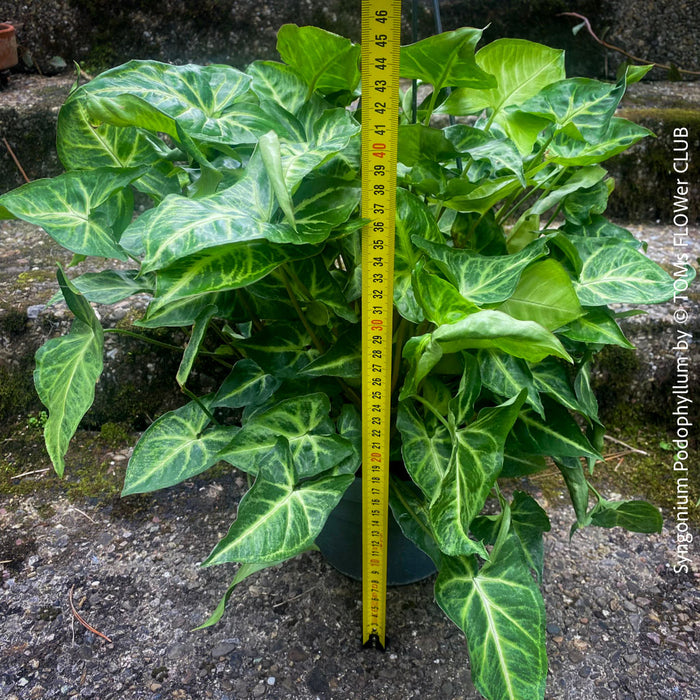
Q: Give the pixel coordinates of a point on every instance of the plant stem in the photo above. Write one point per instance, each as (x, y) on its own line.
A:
(199, 403)
(300, 312)
(145, 339)
(401, 332)
(434, 411)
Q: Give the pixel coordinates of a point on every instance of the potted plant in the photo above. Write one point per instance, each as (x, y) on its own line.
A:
(505, 266)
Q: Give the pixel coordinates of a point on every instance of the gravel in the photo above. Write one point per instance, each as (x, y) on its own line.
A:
(621, 623)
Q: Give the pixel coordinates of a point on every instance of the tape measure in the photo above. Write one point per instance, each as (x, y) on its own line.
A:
(381, 37)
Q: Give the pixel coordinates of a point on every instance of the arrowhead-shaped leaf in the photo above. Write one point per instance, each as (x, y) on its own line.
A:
(446, 60)
(303, 421)
(276, 518)
(482, 279)
(474, 466)
(246, 384)
(412, 219)
(425, 449)
(70, 208)
(614, 272)
(177, 446)
(327, 62)
(501, 612)
(67, 370)
(545, 295)
(635, 516)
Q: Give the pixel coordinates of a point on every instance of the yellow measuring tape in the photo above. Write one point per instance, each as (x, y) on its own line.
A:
(381, 36)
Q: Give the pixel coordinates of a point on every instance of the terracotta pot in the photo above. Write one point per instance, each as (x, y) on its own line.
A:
(8, 46)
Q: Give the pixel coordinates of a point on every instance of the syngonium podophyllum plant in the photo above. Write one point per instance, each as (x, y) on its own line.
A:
(505, 267)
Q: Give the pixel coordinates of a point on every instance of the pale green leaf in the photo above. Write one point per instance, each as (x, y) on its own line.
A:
(446, 60)
(545, 295)
(327, 62)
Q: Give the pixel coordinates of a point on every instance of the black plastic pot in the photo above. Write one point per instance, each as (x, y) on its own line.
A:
(340, 543)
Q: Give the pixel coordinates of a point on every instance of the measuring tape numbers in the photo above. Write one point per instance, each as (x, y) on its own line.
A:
(381, 36)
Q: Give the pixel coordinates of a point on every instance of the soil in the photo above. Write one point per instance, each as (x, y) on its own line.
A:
(621, 622)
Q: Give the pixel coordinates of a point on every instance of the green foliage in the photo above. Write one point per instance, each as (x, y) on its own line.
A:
(253, 247)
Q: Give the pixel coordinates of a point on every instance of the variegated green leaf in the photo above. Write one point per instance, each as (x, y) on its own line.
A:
(507, 376)
(245, 385)
(558, 435)
(329, 133)
(620, 135)
(580, 107)
(177, 446)
(280, 349)
(412, 219)
(494, 329)
(319, 286)
(219, 269)
(277, 82)
(481, 146)
(474, 466)
(70, 209)
(551, 378)
(277, 518)
(439, 299)
(598, 326)
(84, 146)
(344, 359)
(545, 295)
(522, 68)
(482, 279)
(580, 179)
(635, 516)
(67, 370)
(461, 407)
(181, 312)
(600, 227)
(204, 101)
(304, 423)
(500, 610)
(108, 286)
(199, 329)
(411, 513)
(425, 448)
(614, 272)
(327, 62)
(529, 521)
(446, 60)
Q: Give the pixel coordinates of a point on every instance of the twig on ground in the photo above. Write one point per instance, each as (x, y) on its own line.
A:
(6, 561)
(34, 471)
(82, 513)
(624, 444)
(589, 29)
(14, 158)
(81, 620)
(296, 597)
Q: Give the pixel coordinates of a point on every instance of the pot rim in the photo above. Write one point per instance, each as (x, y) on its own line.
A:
(6, 28)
